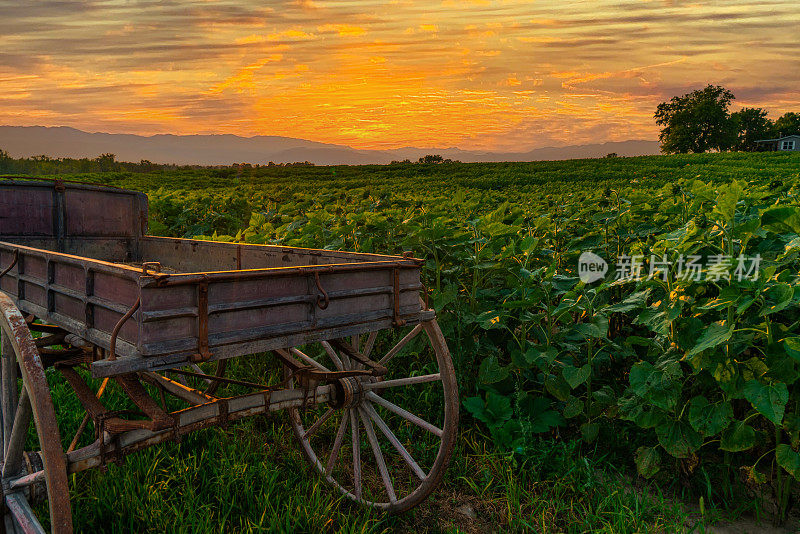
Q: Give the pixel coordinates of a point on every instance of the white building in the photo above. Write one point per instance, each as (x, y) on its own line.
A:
(787, 142)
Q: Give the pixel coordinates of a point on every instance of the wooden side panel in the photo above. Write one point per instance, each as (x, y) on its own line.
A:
(26, 211)
(195, 256)
(81, 220)
(82, 296)
(273, 305)
(189, 255)
(91, 213)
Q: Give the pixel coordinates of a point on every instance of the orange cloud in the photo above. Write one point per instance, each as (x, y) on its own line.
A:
(476, 74)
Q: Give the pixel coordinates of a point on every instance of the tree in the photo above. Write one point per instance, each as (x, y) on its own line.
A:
(431, 158)
(696, 122)
(750, 125)
(107, 162)
(787, 124)
(6, 162)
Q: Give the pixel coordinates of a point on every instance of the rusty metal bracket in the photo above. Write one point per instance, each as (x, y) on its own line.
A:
(223, 412)
(113, 346)
(396, 320)
(203, 352)
(322, 300)
(154, 265)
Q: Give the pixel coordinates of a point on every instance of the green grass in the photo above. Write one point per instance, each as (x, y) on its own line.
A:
(250, 478)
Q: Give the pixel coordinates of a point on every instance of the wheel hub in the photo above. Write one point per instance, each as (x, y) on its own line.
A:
(35, 493)
(349, 392)
(31, 463)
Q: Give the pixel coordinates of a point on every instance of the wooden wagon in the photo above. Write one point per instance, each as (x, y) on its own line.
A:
(87, 294)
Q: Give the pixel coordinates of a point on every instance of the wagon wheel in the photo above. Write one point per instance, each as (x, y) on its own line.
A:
(19, 409)
(402, 427)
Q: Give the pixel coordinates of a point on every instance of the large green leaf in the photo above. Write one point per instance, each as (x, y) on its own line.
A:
(476, 407)
(490, 320)
(648, 461)
(791, 424)
(573, 407)
(660, 386)
(792, 346)
(631, 302)
(590, 431)
(769, 399)
(575, 376)
(491, 372)
(708, 418)
(739, 436)
(539, 413)
(788, 459)
(498, 407)
(782, 220)
(541, 358)
(714, 335)
(678, 438)
(726, 200)
(779, 297)
(557, 387)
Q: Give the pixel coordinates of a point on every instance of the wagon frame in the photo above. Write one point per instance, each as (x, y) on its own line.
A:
(148, 313)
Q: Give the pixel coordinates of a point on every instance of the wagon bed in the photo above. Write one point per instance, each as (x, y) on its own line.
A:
(70, 248)
(82, 286)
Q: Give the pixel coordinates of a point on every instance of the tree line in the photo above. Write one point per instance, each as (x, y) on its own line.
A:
(701, 121)
(43, 165)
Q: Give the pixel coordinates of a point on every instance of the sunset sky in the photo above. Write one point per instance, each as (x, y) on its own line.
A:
(499, 75)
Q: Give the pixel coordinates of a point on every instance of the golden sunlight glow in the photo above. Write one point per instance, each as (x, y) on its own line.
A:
(481, 74)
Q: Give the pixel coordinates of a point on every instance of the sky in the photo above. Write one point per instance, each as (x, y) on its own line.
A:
(502, 75)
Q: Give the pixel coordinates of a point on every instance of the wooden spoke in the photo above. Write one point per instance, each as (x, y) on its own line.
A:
(23, 514)
(370, 343)
(27, 480)
(408, 416)
(394, 441)
(356, 441)
(400, 344)
(376, 452)
(337, 443)
(399, 382)
(313, 428)
(308, 359)
(355, 341)
(16, 443)
(333, 356)
(391, 486)
(199, 369)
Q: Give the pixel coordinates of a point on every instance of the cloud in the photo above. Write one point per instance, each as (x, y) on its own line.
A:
(347, 30)
(486, 75)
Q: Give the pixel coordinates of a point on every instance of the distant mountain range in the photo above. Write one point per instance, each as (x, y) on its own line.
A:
(62, 141)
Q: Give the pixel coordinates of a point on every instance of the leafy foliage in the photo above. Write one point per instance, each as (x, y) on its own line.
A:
(696, 122)
(704, 371)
